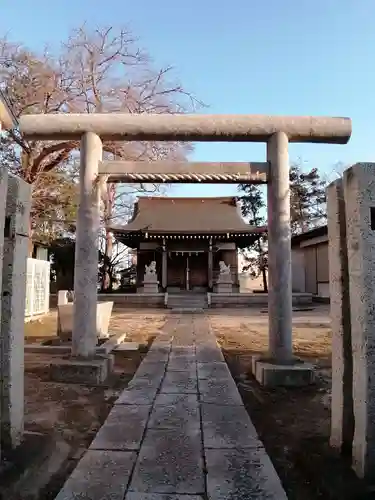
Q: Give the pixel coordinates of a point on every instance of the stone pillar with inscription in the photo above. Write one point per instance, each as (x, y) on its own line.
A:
(342, 418)
(359, 195)
(15, 251)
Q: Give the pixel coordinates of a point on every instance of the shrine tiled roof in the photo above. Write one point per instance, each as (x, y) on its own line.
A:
(164, 215)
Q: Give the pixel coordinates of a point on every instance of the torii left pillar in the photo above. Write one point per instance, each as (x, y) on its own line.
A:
(84, 338)
(84, 365)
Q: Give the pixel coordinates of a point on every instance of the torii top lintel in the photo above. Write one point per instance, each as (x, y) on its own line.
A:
(180, 127)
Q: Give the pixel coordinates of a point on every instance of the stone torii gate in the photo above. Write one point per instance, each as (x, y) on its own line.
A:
(277, 132)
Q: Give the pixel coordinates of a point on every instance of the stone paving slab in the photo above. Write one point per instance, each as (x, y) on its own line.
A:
(227, 427)
(242, 475)
(155, 496)
(137, 396)
(179, 382)
(114, 435)
(178, 415)
(170, 461)
(100, 475)
(184, 418)
(157, 356)
(209, 354)
(164, 345)
(215, 371)
(223, 391)
(172, 399)
(182, 365)
(182, 351)
(149, 372)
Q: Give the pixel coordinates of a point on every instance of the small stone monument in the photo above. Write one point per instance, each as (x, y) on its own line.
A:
(224, 282)
(150, 280)
(65, 311)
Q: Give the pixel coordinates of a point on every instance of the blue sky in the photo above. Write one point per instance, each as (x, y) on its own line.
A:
(297, 57)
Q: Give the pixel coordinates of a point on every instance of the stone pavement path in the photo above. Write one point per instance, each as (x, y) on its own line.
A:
(178, 432)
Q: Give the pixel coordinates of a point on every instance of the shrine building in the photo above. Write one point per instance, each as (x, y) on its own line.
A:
(187, 238)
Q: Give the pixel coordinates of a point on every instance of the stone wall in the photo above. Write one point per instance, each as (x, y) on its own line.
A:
(217, 300)
(253, 299)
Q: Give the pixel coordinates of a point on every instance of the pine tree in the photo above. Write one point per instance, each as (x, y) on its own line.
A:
(307, 199)
(307, 207)
(252, 207)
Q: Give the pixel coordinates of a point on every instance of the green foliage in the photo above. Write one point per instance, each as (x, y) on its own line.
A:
(253, 210)
(252, 204)
(307, 199)
(307, 207)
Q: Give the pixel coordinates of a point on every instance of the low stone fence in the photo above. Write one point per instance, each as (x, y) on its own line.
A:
(217, 300)
(125, 300)
(254, 299)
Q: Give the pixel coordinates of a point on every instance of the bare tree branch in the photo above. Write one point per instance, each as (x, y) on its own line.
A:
(102, 70)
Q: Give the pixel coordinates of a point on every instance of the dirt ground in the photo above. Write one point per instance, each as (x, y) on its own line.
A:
(73, 412)
(294, 424)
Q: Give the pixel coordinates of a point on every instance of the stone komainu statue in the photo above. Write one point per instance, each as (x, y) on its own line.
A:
(224, 269)
(151, 269)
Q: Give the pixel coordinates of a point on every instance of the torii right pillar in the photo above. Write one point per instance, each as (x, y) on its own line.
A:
(279, 367)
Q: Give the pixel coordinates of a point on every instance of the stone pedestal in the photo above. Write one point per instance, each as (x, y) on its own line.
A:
(150, 284)
(92, 371)
(269, 373)
(224, 286)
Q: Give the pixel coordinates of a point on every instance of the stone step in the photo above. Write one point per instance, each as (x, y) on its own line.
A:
(186, 305)
(187, 302)
(187, 310)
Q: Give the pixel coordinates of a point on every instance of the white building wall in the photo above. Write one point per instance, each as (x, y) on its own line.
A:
(298, 270)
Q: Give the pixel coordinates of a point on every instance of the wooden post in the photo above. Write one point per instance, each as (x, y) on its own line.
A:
(210, 265)
(164, 267)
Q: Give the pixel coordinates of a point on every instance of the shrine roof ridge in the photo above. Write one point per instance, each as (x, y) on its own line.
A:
(209, 215)
(188, 198)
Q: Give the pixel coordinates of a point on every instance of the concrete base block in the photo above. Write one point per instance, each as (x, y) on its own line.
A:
(271, 374)
(92, 371)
